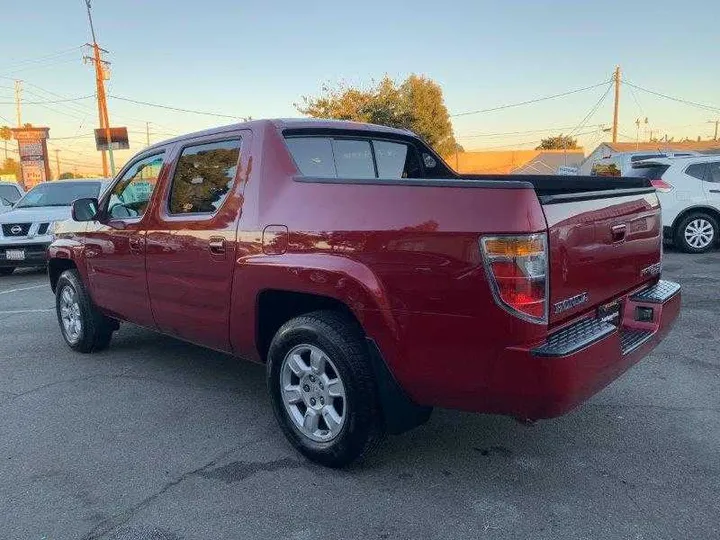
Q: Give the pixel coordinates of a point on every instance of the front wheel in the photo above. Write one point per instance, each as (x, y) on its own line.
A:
(696, 233)
(83, 327)
(322, 388)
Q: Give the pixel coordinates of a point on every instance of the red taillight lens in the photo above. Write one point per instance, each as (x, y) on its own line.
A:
(517, 271)
(662, 186)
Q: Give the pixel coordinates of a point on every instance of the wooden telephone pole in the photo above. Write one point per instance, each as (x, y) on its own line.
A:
(18, 102)
(57, 162)
(716, 122)
(616, 114)
(100, 76)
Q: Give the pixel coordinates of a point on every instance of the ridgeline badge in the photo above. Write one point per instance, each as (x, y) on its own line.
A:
(569, 303)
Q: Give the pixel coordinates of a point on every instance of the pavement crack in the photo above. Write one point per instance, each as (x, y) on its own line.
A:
(123, 517)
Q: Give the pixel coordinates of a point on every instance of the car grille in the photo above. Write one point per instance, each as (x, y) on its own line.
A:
(43, 228)
(16, 229)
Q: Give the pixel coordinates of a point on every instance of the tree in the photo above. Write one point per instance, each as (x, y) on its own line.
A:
(5, 135)
(10, 166)
(67, 176)
(559, 142)
(415, 104)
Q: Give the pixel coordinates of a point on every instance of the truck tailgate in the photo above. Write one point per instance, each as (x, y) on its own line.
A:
(601, 245)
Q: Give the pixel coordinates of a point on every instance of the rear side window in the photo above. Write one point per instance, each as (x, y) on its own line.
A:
(714, 172)
(697, 170)
(313, 156)
(203, 178)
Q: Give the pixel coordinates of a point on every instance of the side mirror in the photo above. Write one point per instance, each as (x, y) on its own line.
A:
(85, 209)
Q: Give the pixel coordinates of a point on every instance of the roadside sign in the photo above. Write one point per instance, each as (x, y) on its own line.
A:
(118, 139)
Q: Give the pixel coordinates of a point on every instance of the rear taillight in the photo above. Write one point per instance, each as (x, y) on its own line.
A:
(661, 185)
(517, 268)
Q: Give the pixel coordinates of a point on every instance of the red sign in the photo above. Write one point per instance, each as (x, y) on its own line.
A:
(32, 146)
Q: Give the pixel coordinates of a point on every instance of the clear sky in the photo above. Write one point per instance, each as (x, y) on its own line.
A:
(258, 58)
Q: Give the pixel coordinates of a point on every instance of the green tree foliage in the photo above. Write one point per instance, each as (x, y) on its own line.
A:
(559, 142)
(67, 176)
(416, 104)
(10, 166)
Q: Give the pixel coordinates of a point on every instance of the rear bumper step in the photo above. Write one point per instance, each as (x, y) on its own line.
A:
(574, 337)
(631, 339)
(659, 293)
(584, 333)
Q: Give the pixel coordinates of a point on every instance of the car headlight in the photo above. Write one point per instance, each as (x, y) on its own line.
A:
(53, 227)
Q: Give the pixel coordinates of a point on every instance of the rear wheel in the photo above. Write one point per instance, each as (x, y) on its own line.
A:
(322, 388)
(696, 233)
(6, 271)
(83, 327)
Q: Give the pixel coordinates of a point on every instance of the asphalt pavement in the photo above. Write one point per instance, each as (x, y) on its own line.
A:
(158, 439)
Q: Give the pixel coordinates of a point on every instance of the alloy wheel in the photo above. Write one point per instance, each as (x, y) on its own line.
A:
(313, 393)
(699, 233)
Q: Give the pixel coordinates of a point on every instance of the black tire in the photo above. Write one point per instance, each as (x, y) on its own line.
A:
(680, 240)
(6, 271)
(95, 328)
(341, 339)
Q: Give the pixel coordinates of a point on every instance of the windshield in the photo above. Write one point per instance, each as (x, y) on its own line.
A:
(9, 193)
(58, 194)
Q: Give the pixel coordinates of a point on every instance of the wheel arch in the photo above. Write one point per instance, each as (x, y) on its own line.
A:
(56, 266)
(698, 209)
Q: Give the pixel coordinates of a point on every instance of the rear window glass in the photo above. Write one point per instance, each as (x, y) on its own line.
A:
(654, 172)
(714, 172)
(634, 159)
(353, 159)
(396, 160)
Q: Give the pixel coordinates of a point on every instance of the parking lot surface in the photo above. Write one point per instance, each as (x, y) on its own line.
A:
(158, 439)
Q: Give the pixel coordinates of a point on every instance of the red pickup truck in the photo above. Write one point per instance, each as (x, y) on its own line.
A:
(373, 281)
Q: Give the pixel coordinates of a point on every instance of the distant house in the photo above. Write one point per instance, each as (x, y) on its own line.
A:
(605, 149)
(515, 161)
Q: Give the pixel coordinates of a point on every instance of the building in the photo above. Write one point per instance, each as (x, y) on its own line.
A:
(515, 161)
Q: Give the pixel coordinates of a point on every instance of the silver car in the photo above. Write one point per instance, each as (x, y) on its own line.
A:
(10, 193)
(28, 228)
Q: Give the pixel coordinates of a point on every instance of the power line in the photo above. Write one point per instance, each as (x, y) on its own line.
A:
(529, 142)
(679, 100)
(43, 58)
(148, 104)
(592, 111)
(530, 101)
(50, 101)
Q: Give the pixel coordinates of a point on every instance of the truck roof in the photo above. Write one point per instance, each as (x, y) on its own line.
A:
(289, 123)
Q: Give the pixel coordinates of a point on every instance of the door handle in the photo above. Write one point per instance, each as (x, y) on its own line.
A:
(618, 233)
(217, 245)
(715, 191)
(135, 243)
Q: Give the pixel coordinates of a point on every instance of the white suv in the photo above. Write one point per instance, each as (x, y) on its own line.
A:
(689, 192)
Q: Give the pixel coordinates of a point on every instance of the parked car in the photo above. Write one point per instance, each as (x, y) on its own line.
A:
(10, 192)
(689, 192)
(27, 230)
(621, 163)
(373, 281)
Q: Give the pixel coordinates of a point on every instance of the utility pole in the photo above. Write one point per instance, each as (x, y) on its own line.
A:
(616, 114)
(716, 122)
(100, 65)
(18, 100)
(147, 133)
(57, 162)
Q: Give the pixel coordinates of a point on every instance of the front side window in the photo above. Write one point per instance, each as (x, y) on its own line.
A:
(713, 173)
(131, 195)
(204, 176)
